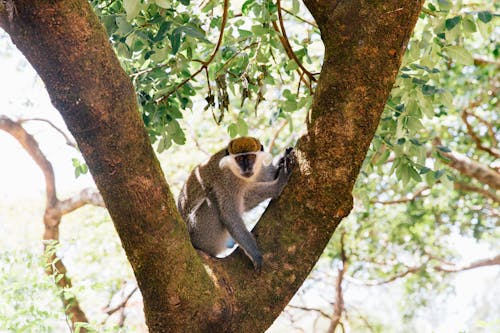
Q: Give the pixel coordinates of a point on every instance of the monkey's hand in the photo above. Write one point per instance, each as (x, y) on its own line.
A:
(286, 163)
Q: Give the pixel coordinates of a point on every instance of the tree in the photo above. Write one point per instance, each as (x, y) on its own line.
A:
(67, 45)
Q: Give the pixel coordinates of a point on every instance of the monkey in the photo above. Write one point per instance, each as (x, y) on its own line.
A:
(233, 181)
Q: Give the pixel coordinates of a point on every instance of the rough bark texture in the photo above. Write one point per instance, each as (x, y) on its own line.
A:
(364, 42)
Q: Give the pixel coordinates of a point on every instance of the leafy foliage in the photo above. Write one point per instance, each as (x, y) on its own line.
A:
(176, 54)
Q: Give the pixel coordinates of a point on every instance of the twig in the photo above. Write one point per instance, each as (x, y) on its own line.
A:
(415, 195)
(320, 311)
(393, 278)
(299, 18)
(69, 141)
(276, 134)
(490, 150)
(475, 264)
(286, 44)
(110, 310)
(477, 189)
(206, 62)
(338, 306)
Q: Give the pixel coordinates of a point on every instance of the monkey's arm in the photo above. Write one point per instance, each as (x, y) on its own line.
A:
(261, 191)
(231, 218)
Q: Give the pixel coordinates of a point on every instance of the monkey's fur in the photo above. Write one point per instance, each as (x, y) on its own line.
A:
(219, 191)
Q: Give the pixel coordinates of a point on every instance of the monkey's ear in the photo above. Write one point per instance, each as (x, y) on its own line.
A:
(225, 161)
(261, 147)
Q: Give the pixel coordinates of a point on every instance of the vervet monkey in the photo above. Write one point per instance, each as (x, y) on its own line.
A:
(219, 191)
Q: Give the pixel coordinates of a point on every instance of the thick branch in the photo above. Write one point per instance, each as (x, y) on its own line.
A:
(470, 168)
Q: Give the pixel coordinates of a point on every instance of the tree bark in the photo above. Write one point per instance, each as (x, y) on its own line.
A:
(364, 43)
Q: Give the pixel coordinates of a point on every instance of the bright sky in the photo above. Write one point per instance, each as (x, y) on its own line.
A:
(23, 95)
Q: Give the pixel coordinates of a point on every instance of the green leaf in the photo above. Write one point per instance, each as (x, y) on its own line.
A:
(164, 3)
(132, 8)
(414, 174)
(451, 23)
(164, 27)
(424, 170)
(232, 130)
(192, 32)
(245, 33)
(242, 127)
(428, 90)
(459, 54)
(175, 40)
(485, 16)
(246, 6)
(445, 5)
(444, 149)
(469, 25)
(447, 99)
(185, 2)
(259, 30)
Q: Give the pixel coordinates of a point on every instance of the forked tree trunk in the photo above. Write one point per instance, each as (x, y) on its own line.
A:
(364, 43)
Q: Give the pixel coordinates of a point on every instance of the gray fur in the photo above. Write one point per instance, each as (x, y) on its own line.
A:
(213, 200)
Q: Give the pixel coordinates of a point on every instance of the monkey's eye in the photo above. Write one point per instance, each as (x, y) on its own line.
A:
(246, 159)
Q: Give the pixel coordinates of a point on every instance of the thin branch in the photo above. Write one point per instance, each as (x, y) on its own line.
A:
(477, 189)
(206, 62)
(474, 264)
(70, 142)
(123, 303)
(412, 197)
(286, 44)
(482, 61)
(363, 319)
(490, 150)
(370, 283)
(304, 308)
(276, 134)
(313, 24)
(338, 306)
(88, 196)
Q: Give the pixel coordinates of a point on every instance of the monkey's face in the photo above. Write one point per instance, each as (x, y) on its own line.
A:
(246, 164)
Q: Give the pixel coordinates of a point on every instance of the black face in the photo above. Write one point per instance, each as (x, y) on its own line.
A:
(246, 163)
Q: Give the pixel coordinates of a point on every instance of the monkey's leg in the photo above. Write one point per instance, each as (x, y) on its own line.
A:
(232, 220)
(207, 232)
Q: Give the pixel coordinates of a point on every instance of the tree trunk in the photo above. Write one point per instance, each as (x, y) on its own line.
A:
(364, 43)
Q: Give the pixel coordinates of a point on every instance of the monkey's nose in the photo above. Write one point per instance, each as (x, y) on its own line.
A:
(247, 174)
